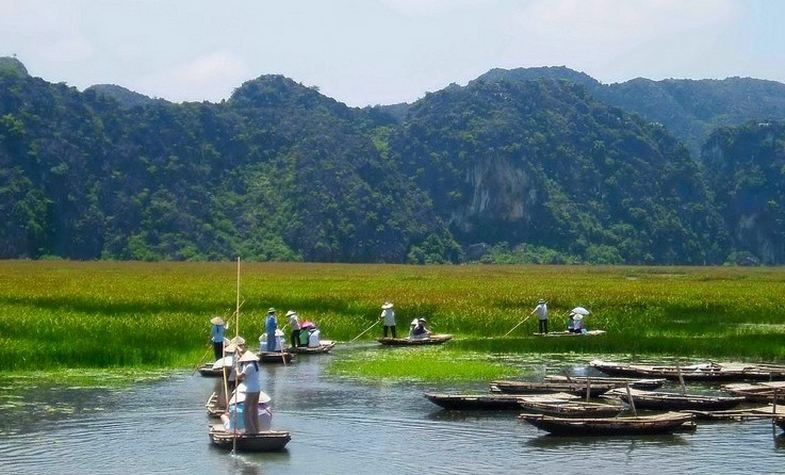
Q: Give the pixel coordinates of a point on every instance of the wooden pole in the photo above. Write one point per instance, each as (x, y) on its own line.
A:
(516, 326)
(629, 398)
(236, 360)
(201, 359)
(681, 378)
(365, 331)
(588, 388)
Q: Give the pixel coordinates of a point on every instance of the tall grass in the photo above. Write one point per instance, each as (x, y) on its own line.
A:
(111, 315)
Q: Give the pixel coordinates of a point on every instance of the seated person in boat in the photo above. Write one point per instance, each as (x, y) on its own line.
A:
(235, 414)
(579, 326)
(264, 341)
(314, 338)
(571, 323)
(411, 327)
(420, 331)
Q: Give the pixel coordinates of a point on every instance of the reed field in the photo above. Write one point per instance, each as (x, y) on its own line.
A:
(58, 315)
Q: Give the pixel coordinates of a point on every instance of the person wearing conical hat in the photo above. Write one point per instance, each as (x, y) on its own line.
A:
(294, 324)
(542, 315)
(388, 317)
(249, 375)
(270, 326)
(217, 333)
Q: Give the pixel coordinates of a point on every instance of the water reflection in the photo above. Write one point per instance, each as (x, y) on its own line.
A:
(341, 425)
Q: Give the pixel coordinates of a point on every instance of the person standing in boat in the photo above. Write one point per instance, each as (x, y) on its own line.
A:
(542, 315)
(388, 317)
(217, 333)
(249, 375)
(294, 323)
(270, 326)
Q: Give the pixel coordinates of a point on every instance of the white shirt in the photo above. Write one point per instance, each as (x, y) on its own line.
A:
(542, 311)
(389, 317)
(294, 322)
(313, 339)
(251, 380)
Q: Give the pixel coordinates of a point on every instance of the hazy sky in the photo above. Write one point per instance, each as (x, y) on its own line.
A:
(384, 51)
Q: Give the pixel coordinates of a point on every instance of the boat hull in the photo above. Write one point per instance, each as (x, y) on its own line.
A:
(433, 340)
(325, 347)
(534, 387)
(266, 441)
(677, 402)
(643, 425)
(483, 402)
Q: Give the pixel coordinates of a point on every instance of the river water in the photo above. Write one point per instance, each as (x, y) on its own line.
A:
(339, 426)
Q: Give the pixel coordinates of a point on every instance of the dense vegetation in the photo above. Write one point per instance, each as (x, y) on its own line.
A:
(151, 315)
(518, 166)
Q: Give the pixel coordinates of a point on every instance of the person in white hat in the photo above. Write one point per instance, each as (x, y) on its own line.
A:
(217, 333)
(270, 326)
(294, 323)
(542, 315)
(249, 375)
(388, 317)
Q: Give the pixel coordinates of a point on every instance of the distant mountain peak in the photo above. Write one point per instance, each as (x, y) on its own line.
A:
(537, 73)
(11, 64)
(125, 97)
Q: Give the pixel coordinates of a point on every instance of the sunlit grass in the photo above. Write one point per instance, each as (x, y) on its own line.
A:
(60, 315)
(423, 364)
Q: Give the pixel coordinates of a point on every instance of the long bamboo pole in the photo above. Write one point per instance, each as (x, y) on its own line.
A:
(236, 358)
(521, 323)
(365, 331)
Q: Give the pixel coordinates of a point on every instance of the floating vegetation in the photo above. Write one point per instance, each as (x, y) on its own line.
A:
(152, 317)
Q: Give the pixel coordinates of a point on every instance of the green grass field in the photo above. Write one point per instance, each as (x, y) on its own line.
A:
(56, 315)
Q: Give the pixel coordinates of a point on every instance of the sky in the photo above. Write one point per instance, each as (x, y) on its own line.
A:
(366, 52)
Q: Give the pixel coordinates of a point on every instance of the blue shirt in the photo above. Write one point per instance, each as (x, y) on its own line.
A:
(218, 333)
(271, 324)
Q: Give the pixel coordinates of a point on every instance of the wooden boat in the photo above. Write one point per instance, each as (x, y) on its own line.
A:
(699, 372)
(208, 371)
(325, 347)
(637, 383)
(760, 392)
(568, 334)
(529, 387)
(214, 409)
(763, 412)
(675, 401)
(634, 425)
(432, 340)
(265, 441)
(275, 357)
(487, 402)
(570, 408)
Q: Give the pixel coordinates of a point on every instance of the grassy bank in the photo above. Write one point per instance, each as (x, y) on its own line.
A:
(57, 315)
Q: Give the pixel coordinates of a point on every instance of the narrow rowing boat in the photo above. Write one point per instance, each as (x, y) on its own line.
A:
(265, 441)
(207, 370)
(485, 402)
(571, 408)
(324, 347)
(759, 392)
(763, 412)
(568, 334)
(698, 372)
(634, 425)
(528, 387)
(637, 383)
(675, 401)
(275, 357)
(432, 340)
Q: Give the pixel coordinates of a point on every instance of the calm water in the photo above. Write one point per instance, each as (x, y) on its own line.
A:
(342, 426)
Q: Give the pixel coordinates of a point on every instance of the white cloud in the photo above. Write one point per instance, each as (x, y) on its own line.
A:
(208, 77)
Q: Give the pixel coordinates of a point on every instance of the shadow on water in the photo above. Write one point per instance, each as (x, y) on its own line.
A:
(546, 441)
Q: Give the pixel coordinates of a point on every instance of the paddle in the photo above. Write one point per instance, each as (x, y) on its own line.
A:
(365, 331)
(521, 323)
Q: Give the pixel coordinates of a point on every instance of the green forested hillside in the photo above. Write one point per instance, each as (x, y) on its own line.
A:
(536, 169)
(690, 109)
(748, 176)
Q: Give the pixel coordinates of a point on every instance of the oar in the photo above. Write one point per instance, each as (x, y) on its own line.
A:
(365, 331)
